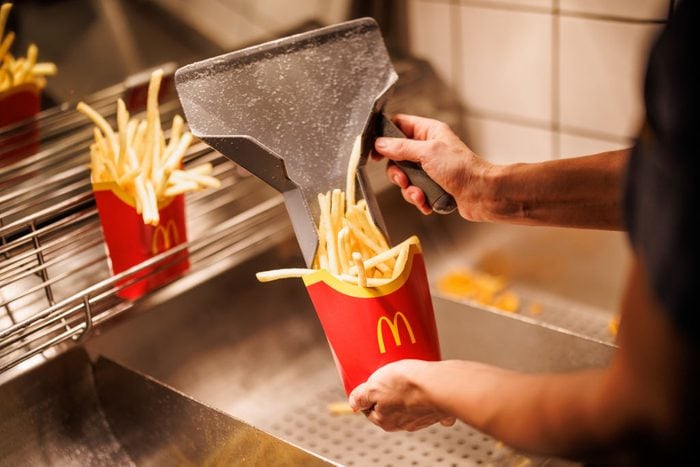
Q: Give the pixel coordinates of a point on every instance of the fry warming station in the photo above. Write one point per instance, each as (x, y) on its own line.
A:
(216, 368)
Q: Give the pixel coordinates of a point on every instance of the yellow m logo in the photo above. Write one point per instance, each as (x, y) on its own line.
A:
(394, 328)
(167, 235)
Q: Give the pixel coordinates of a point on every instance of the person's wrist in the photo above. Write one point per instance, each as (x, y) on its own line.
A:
(495, 201)
(426, 380)
(477, 201)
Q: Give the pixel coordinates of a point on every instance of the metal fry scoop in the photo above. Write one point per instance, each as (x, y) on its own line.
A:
(289, 112)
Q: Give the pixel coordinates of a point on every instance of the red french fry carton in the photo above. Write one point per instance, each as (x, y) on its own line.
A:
(129, 241)
(17, 104)
(367, 327)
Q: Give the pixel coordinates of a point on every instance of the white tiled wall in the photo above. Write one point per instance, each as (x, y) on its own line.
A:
(432, 36)
(538, 78)
(574, 145)
(629, 9)
(505, 61)
(602, 68)
(235, 23)
(527, 68)
(508, 4)
(503, 143)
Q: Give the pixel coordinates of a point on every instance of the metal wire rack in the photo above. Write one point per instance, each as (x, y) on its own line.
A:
(55, 281)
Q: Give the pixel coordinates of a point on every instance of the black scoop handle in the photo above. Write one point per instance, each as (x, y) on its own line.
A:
(438, 199)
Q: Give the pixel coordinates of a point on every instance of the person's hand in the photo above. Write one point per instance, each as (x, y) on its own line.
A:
(392, 399)
(443, 156)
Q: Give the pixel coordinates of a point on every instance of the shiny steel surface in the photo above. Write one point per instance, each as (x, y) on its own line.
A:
(257, 352)
(290, 110)
(73, 412)
(54, 276)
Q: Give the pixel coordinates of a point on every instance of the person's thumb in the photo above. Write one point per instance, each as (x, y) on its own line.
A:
(401, 149)
(358, 398)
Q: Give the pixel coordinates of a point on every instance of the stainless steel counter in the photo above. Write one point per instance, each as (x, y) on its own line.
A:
(257, 352)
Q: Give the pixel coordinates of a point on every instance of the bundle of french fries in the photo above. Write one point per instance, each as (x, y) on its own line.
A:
(16, 71)
(351, 246)
(137, 157)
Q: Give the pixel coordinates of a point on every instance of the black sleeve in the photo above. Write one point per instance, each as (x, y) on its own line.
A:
(661, 198)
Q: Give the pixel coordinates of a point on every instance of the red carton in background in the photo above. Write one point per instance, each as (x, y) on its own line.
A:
(129, 241)
(17, 104)
(367, 328)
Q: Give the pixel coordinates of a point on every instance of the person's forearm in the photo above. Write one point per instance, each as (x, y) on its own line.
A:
(594, 413)
(550, 414)
(582, 192)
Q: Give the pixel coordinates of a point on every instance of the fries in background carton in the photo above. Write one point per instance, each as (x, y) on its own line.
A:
(137, 158)
(21, 82)
(139, 187)
(15, 72)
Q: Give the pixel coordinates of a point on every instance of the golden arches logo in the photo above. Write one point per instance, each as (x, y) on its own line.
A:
(169, 235)
(394, 328)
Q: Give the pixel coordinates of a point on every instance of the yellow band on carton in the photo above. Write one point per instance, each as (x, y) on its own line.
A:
(346, 288)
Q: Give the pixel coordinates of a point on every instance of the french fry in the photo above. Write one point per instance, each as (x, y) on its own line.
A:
(361, 273)
(180, 188)
(267, 276)
(139, 159)
(203, 169)
(4, 13)
(340, 408)
(122, 124)
(44, 69)
(353, 162)
(175, 158)
(101, 123)
(5, 44)
(14, 72)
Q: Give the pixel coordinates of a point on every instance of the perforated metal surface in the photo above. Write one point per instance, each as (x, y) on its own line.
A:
(297, 411)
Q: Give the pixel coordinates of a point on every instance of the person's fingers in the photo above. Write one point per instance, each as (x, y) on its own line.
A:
(402, 149)
(414, 195)
(411, 194)
(415, 127)
(448, 421)
(386, 423)
(359, 398)
(396, 175)
(375, 155)
(421, 423)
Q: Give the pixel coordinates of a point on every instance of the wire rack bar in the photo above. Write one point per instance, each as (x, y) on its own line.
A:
(55, 282)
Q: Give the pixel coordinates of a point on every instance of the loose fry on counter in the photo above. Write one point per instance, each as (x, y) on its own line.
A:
(340, 408)
(16, 71)
(614, 326)
(480, 287)
(137, 158)
(351, 246)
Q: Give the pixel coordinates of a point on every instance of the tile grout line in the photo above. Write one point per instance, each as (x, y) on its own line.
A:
(505, 6)
(456, 50)
(555, 117)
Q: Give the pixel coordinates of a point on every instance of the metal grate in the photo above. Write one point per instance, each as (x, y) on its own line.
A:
(55, 283)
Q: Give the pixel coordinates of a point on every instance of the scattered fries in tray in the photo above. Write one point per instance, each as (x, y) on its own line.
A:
(20, 70)
(351, 246)
(137, 157)
(482, 288)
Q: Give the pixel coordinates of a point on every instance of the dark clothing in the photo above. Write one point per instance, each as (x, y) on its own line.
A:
(662, 190)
